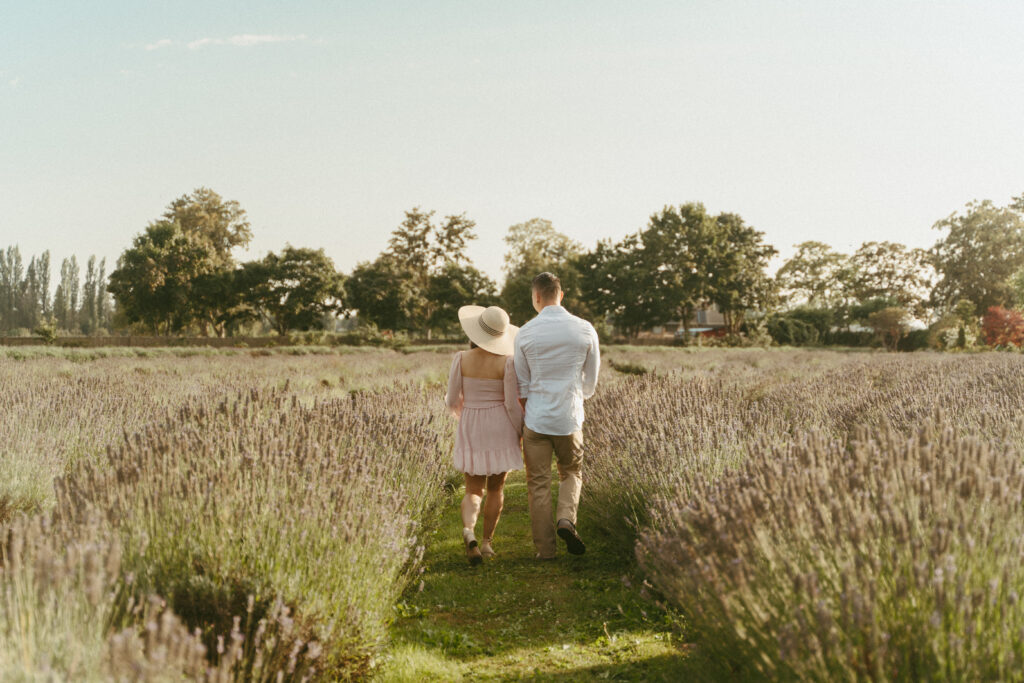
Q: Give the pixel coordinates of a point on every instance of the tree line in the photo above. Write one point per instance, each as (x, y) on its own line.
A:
(180, 275)
(77, 306)
(976, 266)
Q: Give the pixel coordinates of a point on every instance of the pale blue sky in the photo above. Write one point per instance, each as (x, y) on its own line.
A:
(836, 121)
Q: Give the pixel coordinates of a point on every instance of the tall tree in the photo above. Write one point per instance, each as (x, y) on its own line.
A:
(889, 270)
(205, 214)
(65, 299)
(682, 241)
(89, 287)
(535, 243)
(102, 297)
(179, 266)
(154, 277)
(28, 297)
(43, 276)
(457, 285)
(74, 288)
(737, 277)
(384, 293)
(534, 247)
(423, 248)
(11, 275)
(300, 287)
(619, 281)
(982, 248)
(815, 275)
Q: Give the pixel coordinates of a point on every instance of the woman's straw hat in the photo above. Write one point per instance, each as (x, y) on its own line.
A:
(489, 328)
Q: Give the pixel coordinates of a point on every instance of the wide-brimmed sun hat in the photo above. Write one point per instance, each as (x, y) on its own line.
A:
(489, 328)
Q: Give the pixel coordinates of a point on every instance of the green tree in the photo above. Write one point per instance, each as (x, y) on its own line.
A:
(181, 267)
(214, 300)
(28, 297)
(889, 324)
(43, 278)
(88, 315)
(12, 272)
(619, 283)
(889, 270)
(153, 282)
(534, 244)
(298, 289)
(457, 285)
(533, 247)
(815, 275)
(65, 299)
(384, 293)
(681, 241)
(102, 297)
(207, 216)
(422, 249)
(1016, 286)
(737, 270)
(982, 248)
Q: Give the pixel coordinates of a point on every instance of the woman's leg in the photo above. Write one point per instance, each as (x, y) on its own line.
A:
(471, 501)
(470, 511)
(493, 505)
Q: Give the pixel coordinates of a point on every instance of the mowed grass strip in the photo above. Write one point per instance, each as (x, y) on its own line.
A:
(576, 618)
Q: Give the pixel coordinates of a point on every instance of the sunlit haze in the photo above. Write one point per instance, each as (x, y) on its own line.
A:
(834, 121)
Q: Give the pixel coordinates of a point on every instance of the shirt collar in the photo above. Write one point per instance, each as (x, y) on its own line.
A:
(554, 309)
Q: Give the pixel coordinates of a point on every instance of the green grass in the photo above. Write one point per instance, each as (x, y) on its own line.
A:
(577, 618)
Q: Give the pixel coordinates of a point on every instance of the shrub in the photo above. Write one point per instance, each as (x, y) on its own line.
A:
(627, 368)
(1003, 327)
(889, 324)
(368, 334)
(850, 338)
(791, 331)
(821, 319)
(915, 340)
(301, 522)
(46, 330)
(885, 559)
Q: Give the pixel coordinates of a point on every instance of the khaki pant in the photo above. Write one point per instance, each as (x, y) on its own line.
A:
(537, 451)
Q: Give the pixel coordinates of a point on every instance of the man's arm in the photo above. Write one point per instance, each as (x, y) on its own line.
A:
(522, 372)
(591, 365)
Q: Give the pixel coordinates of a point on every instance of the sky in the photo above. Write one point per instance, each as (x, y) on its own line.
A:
(838, 121)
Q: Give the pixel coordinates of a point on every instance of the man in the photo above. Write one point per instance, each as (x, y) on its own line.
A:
(557, 360)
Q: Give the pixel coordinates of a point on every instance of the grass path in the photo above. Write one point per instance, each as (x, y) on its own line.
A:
(577, 618)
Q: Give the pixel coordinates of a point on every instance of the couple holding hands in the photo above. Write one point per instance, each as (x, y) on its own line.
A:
(518, 394)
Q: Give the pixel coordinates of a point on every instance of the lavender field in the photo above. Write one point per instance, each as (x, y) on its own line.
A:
(258, 515)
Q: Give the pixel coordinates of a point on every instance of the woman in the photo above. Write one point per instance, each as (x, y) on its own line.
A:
(484, 395)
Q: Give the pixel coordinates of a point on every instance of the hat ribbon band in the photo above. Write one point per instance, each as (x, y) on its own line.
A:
(488, 329)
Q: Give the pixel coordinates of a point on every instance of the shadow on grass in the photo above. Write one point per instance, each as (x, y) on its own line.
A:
(668, 668)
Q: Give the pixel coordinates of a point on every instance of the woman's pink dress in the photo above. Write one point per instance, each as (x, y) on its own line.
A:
(490, 421)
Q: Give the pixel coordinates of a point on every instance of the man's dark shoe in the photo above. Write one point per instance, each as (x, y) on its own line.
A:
(573, 543)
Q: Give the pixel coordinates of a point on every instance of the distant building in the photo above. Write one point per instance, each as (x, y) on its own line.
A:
(704, 320)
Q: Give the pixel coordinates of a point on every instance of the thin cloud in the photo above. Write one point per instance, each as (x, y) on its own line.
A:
(163, 42)
(246, 40)
(14, 82)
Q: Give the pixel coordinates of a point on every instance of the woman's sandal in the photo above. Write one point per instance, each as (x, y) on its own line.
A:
(485, 548)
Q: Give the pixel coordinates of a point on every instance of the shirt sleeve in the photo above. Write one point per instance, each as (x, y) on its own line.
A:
(453, 399)
(592, 364)
(512, 405)
(522, 368)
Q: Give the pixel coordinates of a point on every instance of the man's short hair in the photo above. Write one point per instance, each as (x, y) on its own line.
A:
(547, 286)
